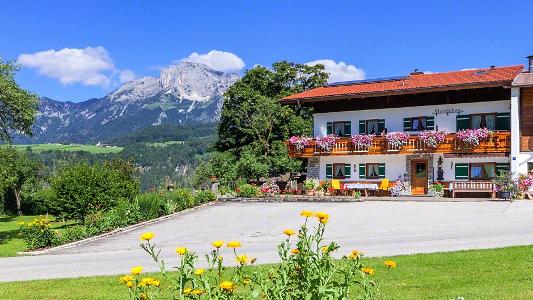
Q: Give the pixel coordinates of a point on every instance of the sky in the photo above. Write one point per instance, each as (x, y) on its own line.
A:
(77, 50)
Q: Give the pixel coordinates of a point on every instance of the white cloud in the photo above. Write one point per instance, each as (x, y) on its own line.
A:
(88, 66)
(339, 71)
(126, 75)
(217, 60)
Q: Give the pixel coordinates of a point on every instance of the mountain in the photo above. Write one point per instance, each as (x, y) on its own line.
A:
(184, 93)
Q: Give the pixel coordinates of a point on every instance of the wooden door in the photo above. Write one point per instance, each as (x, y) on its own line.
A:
(419, 177)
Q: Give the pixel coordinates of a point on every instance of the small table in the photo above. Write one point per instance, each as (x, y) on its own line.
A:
(361, 186)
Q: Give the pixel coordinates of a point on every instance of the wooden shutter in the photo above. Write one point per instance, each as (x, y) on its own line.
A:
(362, 171)
(430, 123)
(406, 124)
(329, 170)
(347, 171)
(502, 167)
(462, 122)
(347, 128)
(362, 127)
(381, 126)
(381, 169)
(503, 121)
(329, 128)
(461, 171)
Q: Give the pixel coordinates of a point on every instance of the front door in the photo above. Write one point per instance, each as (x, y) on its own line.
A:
(419, 177)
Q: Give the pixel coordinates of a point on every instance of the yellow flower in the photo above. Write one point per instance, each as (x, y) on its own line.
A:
(199, 272)
(181, 250)
(322, 217)
(143, 296)
(324, 249)
(306, 213)
(246, 280)
(368, 271)
(220, 258)
(324, 220)
(187, 291)
(234, 244)
(197, 292)
(147, 236)
(136, 270)
(390, 264)
(295, 251)
(217, 244)
(146, 281)
(289, 232)
(129, 284)
(355, 254)
(156, 283)
(227, 286)
(242, 259)
(21, 223)
(126, 278)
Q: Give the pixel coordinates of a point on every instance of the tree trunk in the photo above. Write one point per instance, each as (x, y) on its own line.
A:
(17, 197)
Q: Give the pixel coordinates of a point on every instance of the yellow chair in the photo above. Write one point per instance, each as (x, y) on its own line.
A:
(383, 187)
(336, 185)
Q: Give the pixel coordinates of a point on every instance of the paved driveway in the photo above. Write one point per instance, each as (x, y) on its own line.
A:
(377, 228)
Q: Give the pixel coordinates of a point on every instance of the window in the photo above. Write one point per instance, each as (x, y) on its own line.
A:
(372, 171)
(530, 168)
(418, 123)
(339, 128)
(482, 171)
(372, 127)
(483, 121)
(338, 171)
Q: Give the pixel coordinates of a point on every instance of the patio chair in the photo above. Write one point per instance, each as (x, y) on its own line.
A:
(383, 187)
(336, 186)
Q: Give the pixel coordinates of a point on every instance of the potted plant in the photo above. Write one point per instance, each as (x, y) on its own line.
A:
(326, 186)
(310, 186)
(436, 190)
(401, 188)
(506, 185)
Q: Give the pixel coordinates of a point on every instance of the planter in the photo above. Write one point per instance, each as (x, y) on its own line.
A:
(311, 193)
(505, 195)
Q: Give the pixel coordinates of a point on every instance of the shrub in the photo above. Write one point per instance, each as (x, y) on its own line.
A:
(74, 233)
(204, 196)
(151, 205)
(248, 191)
(436, 190)
(81, 189)
(38, 234)
(311, 184)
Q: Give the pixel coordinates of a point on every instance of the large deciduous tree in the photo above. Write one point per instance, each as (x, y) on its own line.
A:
(18, 107)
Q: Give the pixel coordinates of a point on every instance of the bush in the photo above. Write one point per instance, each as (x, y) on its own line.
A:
(151, 205)
(248, 191)
(81, 189)
(179, 199)
(38, 234)
(204, 196)
(74, 233)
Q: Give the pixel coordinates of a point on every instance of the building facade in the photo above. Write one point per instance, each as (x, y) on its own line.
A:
(453, 126)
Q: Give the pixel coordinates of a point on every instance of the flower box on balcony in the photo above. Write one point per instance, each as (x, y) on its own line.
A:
(433, 139)
(299, 142)
(397, 140)
(472, 137)
(362, 142)
(326, 143)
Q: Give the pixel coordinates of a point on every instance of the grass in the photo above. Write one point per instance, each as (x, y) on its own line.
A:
(10, 242)
(164, 144)
(59, 147)
(505, 273)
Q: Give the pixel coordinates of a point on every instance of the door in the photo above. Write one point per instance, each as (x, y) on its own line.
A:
(419, 177)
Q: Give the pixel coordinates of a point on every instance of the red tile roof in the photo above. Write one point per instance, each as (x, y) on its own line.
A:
(414, 83)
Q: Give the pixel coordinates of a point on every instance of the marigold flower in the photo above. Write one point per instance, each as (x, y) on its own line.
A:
(390, 264)
(181, 250)
(136, 270)
(355, 254)
(234, 244)
(289, 232)
(199, 272)
(324, 249)
(227, 286)
(321, 215)
(242, 259)
(156, 283)
(126, 278)
(197, 292)
(147, 236)
(217, 244)
(368, 271)
(129, 284)
(295, 251)
(146, 281)
(246, 280)
(306, 213)
(220, 258)
(187, 291)
(324, 221)
(143, 296)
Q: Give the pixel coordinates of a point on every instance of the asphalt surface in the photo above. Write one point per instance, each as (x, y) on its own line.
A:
(377, 228)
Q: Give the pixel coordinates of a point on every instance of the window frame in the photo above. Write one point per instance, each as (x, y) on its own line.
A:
(367, 169)
(483, 115)
(334, 175)
(419, 118)
(530, 167)
(372, 120)
(470, 165)
(338, 123)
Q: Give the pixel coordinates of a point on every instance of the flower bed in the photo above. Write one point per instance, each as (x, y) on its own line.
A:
(397, 139)
(299, 142)
(433, 138)
(362, 141)
(326, 143)
(473, 137)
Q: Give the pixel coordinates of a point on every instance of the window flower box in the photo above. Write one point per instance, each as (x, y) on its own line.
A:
(299, 142)
(397, 139)
(473, 137)
(362, 141)
(432, 138)
(326, 143)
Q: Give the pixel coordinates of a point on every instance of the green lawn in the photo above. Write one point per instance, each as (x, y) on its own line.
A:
(10, 243)
(59, 147)
(505, 273)
(164, 144)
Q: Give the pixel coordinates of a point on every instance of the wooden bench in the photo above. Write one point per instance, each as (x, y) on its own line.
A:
(472, 187)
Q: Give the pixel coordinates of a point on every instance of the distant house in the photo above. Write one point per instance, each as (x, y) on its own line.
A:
(499, 99)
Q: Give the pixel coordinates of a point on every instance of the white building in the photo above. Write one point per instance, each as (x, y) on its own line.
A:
(497, 98)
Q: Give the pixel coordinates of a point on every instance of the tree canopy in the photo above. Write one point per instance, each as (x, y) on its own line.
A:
(18, 107)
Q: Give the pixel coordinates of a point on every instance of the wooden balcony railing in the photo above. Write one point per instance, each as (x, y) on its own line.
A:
(499, 142)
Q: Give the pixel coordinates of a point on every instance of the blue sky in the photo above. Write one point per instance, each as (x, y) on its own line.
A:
(135, 38)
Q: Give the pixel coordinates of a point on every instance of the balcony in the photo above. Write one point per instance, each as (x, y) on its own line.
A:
(498, 142)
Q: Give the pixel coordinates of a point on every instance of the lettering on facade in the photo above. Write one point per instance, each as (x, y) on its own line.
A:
(447, 111)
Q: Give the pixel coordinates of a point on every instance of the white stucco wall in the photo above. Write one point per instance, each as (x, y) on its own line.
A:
(522, 160)
(394, 116)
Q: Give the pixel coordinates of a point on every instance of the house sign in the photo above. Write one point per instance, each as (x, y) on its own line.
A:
(447, 111)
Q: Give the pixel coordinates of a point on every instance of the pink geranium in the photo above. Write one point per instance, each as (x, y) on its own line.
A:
(473, 137)
(326, 143)
(397, 139)
(433, 138)
(299, 142)
(362, 141)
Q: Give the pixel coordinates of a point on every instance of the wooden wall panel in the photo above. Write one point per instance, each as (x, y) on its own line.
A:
(526, 119)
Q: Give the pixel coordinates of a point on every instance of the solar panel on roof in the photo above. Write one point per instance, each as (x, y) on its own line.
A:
(353, 82)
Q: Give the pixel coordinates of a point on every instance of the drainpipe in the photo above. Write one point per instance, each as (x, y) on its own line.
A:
(515, 129)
